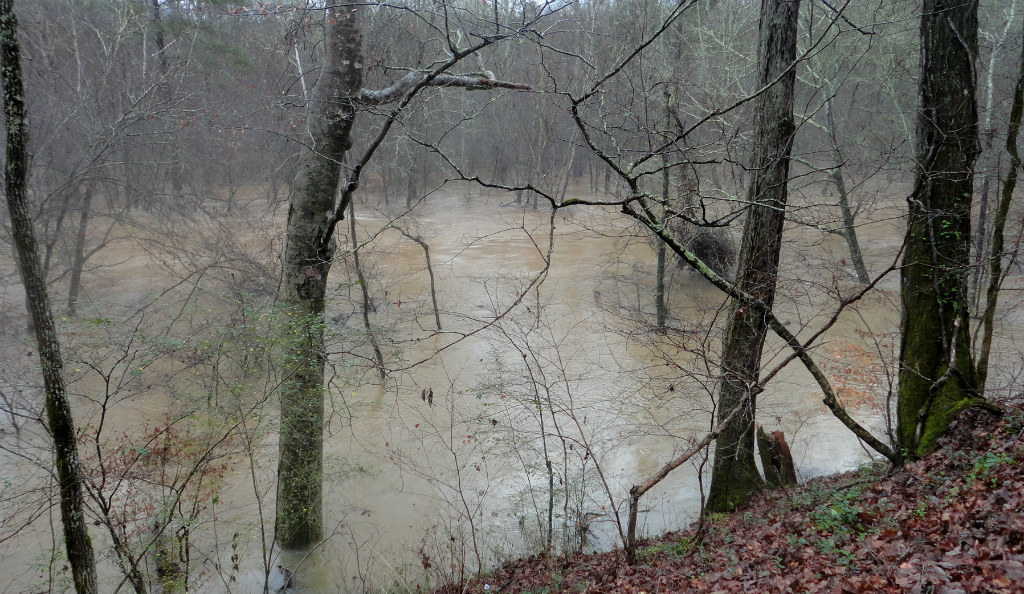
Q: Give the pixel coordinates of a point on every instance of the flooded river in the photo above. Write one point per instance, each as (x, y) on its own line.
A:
(544, 396)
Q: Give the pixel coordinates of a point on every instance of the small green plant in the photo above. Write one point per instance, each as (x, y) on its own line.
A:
(779, 563)
(677, 548)
(794, 540)
(1015, 422)
(983, 468)
(842, 516)
(873, 470)
(829, 546)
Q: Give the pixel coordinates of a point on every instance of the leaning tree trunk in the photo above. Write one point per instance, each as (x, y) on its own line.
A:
(378, 356)
(937, 372)
(849, 222)
(307, 262)
(58, 409)
(735, 475)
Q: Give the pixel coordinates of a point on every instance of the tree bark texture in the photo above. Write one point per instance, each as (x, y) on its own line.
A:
(937, 377)
(58, 409)
(660, 303)
(310, 248)
(734, 475)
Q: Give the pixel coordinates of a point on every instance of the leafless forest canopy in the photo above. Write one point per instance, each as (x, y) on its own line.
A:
(530, 254)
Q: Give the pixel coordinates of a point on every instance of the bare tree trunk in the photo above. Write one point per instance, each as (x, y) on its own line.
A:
(308, 257)
(411, 192)
(937, 376)
(58, 409)
(990, 170)
(661, 308)
(980, 231)
(734, 475)
(75, 285)
(568, 167)
(998, 227)
(849, 223)
(430, 271)
(378, 356)
(164, 89)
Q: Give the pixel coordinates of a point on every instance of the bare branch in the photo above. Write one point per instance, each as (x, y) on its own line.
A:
(474, 81)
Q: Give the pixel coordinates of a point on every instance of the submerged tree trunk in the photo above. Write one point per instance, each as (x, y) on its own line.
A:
(849, 224)
(75, 285)
(430, 272)
(378, 356)
(176, 170)
(307, 262)
(937, 377)
(58, 409)
(734, 475)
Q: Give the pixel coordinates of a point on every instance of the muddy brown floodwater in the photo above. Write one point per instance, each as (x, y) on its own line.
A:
(534, 363)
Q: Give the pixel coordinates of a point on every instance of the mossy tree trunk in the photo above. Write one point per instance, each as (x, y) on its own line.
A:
(310, 248)
(313, 215)
(734, 476)
(58, 409)
(937, 376)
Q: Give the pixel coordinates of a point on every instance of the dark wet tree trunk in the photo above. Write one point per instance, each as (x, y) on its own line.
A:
(411, 189)
(937, 372)
(735, 476)
(660, 303)
(980, 232)
(307, 263)
(58, 409)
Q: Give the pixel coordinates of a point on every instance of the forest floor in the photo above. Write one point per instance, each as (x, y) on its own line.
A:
(950, 523)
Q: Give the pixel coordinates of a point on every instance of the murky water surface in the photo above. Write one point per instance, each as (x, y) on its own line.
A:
(543, 355)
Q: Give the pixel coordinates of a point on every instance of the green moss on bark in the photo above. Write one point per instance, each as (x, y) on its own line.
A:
(938, 378)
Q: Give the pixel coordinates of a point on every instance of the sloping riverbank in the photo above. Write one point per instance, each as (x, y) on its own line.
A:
(952, 522)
